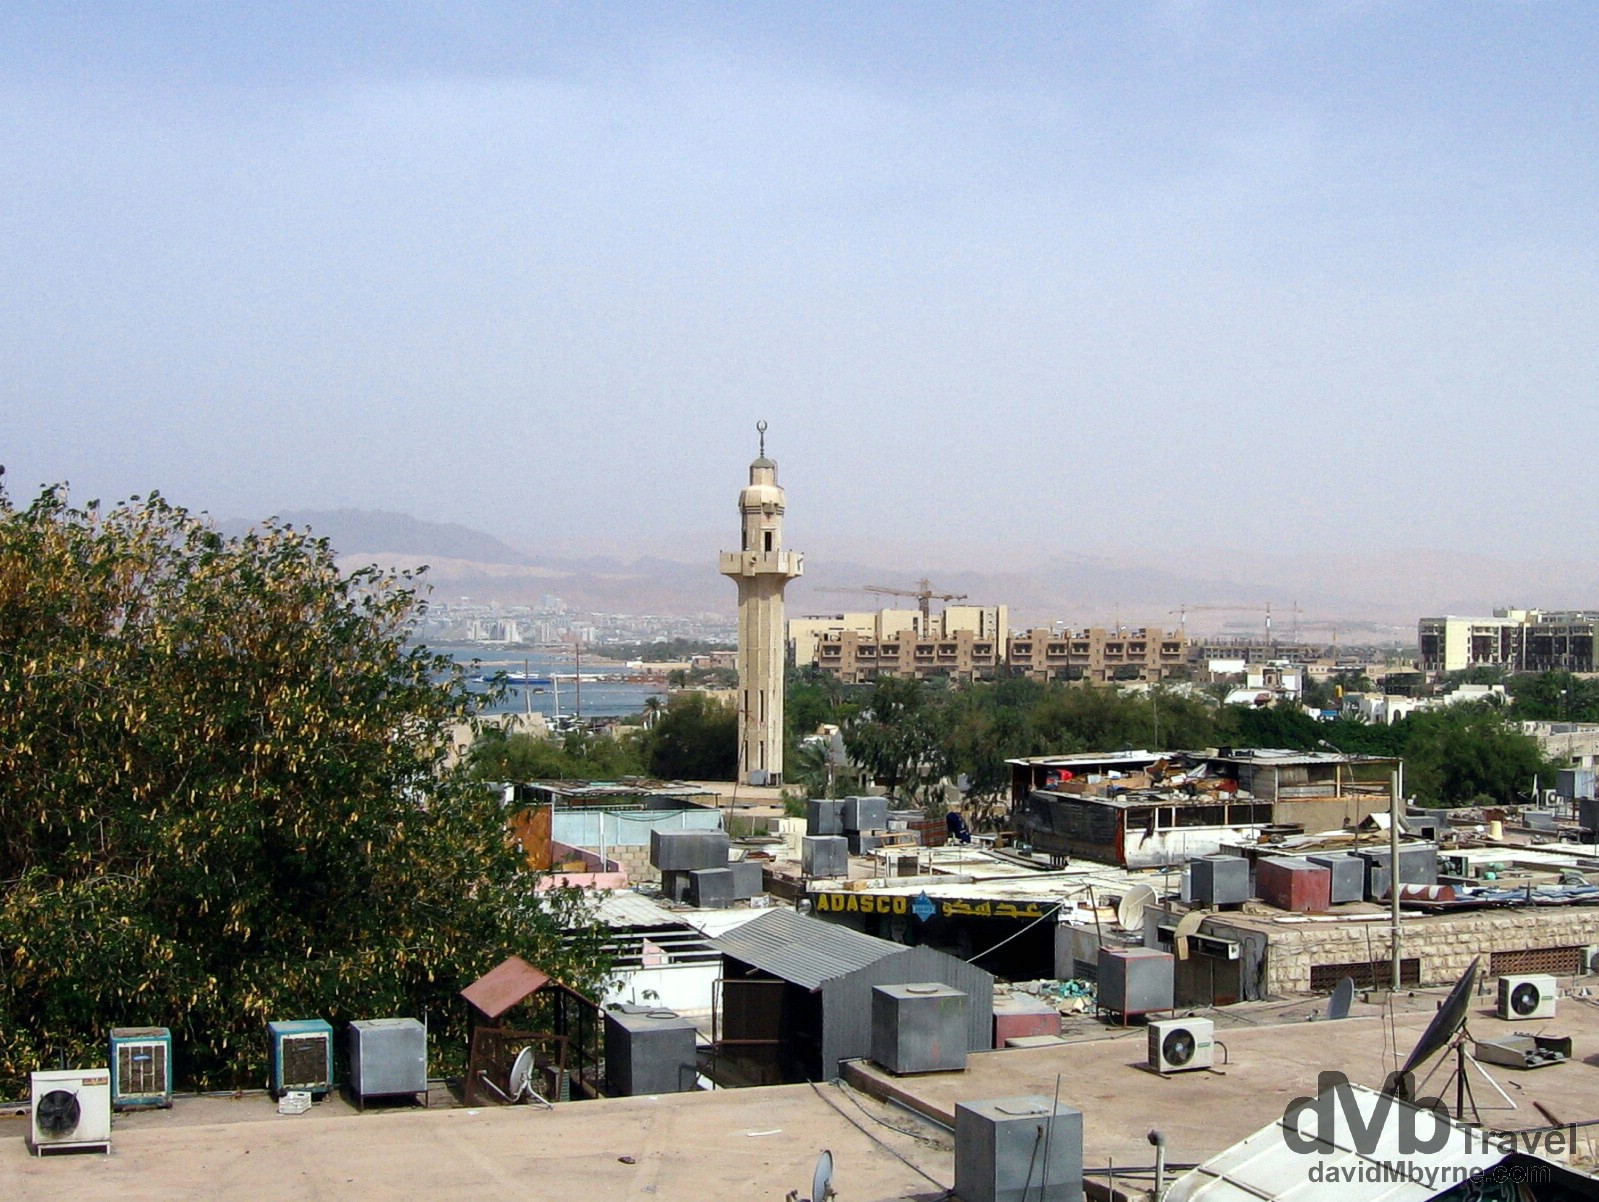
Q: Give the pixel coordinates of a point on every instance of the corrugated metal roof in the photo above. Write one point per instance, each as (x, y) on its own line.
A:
(1264, 1166)
(624, 908)
(801, 949)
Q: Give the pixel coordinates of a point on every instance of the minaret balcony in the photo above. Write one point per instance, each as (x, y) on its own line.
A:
(787, 564)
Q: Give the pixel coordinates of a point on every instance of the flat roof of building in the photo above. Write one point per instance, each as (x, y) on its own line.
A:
(749, 1143)
(1259, 1069)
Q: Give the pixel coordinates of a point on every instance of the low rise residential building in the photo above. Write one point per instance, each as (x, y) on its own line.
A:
(1514, 640)
(855, 658)
(1228, 650)
(1099, 655)
(1141, 809)
(808, 636)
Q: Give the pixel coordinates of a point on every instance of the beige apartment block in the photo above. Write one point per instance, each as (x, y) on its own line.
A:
(1099, 656)
(806, 634)
(1516, 640)
(895, 627)
(973, 645)
(855, 658)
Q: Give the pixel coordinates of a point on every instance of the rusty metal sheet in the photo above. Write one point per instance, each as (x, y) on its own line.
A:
(503, 986)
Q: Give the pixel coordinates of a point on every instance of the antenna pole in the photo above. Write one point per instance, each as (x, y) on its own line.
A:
(1396, 785)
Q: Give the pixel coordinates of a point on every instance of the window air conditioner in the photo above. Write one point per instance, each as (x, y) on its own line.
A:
(71, 1109)
(1177, 1045)
(1528, 996)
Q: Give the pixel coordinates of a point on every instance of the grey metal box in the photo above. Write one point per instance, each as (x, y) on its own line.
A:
(1219, 880)
(675, 886)
(824, 855)
(749, 878)
(684, 851)
(1136, 980)
(919, 1028)
(1000, 1150)
(865, 814)
(711, 888)
(861, 842)
(1377, 876)
(388, 1056)
(648, 1052)
(1348, 876)
(824, 817)
(1418, 865)
(1588, 812)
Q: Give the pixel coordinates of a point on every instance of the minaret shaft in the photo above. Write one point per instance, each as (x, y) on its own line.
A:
(761, 569)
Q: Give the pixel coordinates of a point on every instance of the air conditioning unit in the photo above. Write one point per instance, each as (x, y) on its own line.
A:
(71, 1109)
(1590, 961)
(300, 1057)
(141, 1067)
(1177, 1045)
(1528, 996)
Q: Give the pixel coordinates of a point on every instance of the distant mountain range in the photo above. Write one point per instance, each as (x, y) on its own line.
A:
(1361, 597)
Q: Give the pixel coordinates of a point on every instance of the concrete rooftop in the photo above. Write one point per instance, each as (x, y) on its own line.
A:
(1273, 1054)
(726, 1144)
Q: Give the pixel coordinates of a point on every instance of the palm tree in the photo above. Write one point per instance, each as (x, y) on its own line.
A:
(652, 710)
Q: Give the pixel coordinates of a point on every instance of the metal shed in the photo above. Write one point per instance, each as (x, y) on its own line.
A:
(796, 995)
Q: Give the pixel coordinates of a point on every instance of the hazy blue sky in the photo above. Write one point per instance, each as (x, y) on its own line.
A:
(1069, 275)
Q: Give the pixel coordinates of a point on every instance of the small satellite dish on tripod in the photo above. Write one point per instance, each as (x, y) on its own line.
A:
(1448, 1029)
(1130, 910)
(821, 1181)
(1342, 998)
(520, 1082)
(1450, 1018)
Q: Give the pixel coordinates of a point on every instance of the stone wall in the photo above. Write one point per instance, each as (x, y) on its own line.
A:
(635, 861)
(1445, 946)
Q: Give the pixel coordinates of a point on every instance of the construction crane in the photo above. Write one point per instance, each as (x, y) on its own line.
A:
(924, 595)
(1184, 611)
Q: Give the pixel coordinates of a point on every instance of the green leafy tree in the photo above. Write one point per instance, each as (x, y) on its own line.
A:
(1554, 697)
(576, 755)
(1456, 755)
(898, 738)
(224, 797)
(695, 738)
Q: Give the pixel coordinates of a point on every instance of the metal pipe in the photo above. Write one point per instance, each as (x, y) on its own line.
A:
(1396, 782)
(1159, 1141)
(1054, 1106)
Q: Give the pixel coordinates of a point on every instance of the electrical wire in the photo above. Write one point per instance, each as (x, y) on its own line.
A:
(906, 1131)
(1049, 913)
(949, 1190)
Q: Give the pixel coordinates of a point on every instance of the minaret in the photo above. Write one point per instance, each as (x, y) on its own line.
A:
(761, 569)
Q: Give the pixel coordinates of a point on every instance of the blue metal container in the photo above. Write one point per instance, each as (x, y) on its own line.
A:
(300, 1057)
(141, 1067)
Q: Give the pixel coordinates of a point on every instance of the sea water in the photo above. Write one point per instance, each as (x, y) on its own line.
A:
(601, 698)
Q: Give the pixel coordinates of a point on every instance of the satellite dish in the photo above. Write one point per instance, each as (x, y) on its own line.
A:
(1130, 910)
(521, 1074)
(1343, 997)
(1446, 1022)
(822, 1178)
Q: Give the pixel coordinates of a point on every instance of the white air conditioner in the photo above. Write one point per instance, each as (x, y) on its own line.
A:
(1590, 961)
(1177, 1045)
(71, 1109)
(1531, 995)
